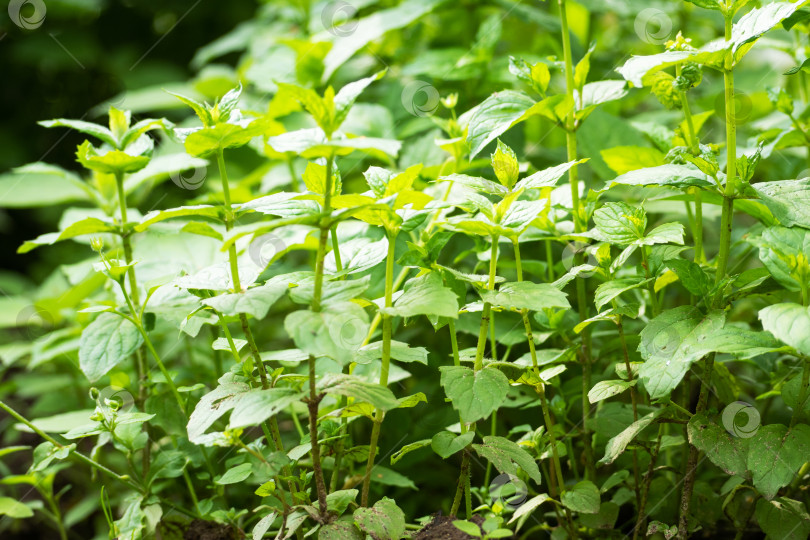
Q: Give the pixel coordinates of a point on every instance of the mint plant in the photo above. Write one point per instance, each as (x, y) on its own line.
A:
(376, 317)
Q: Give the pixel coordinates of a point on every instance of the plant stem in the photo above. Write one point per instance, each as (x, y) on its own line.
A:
(94, 464)
(541, 391)
(697, 233)
(375, 322)
(271, 430)
(634, 401)
(314, 398)
(579, 226)
(385, 366)
(141, 373)
(731, 189)
(483, 330)
(694, 148)
(124, 479)
(294, 182)
(639, 528)
(485, 314)
(549, 261)
(656, 309)
(463, 484)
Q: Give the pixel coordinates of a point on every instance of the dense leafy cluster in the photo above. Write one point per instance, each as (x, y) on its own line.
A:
(505, 288)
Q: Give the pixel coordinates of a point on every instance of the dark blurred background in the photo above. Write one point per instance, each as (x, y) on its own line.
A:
(78, 54)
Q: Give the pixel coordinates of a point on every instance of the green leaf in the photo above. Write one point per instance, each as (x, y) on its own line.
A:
(82, 227)
(546, 177)
(505, 165)
(678, 337)
(791, 395)
(728, 452)
(788, 200)
(607, 389)
(519, 215)
(115, 161)
(474, 395)
(623, 159)
(408, 448)
(425, 295)
(790, 323)
(200, 210)
(337, 332)
(494, 116)
(208, 140)
(526, 295)
(339, 530)
(757, 22)
(446, 443)
(607, 291)
(14, 509)
(105, 342)
(616, 446)
(338, 501)
(214, 405)
(347, 95)
(604, 519)
(506, 456)
(263, 525)
(358, 388)
(599, 92)
(482, 185)
(583, 497)
(255, 301)
(525, 509)
(38, 184)
(691, 276)
(370, 29)
(776, 454)
(312, 143)
(707, 4)
(783, 518)
(467, 527)
(804, 66)
(256, 406)
(668, 233)
(202, 110)
(88, 128)
(383, 521)
(235, 475)
(400, 351)
(678, 176)
(620, 223)
(639, 69)
(786, 254)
